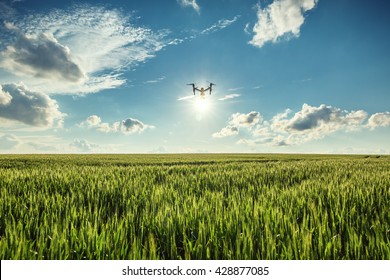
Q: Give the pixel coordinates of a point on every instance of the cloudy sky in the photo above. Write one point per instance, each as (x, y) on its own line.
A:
(292, 76)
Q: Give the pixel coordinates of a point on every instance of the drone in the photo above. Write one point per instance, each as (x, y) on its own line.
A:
(202, 90)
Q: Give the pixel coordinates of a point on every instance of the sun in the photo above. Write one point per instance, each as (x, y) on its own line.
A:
(202, 104)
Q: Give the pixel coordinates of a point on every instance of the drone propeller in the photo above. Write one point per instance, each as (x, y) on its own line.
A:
(211, 86)
(193, 87)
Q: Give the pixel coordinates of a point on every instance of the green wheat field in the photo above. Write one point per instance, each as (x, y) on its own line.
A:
(210, 206)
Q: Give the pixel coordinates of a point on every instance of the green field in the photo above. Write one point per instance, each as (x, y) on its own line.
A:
(217, 206)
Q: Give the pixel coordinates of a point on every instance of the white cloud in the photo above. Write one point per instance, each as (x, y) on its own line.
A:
(245, 120)
(312, 123)
(308, 124)
(236, 121)
(320, 120)
(235, 89)
(247, 28)
(190, 3)
(229, 96)
(40, 56)
(226, 131)
(176, 41)
(354, 120)
(105, 127)
(127, 126)
(87, 46)
(221, 24)
(94, 120)
(282, 18)
(160, 79)
(82, 145)
(185, 97)
(379, 119)
(5, 97)
(130, 125)
(10, 26)
(29, 107)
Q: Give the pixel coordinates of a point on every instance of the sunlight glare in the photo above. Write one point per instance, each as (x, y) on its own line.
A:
(202, 104)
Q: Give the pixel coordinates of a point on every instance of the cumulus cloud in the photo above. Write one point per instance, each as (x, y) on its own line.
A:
(190, 3)
(93, 120)
(28, 107)
(312, 117)
(9, 141)
(83, 145)
(280, 19)
(226, 131)
(311, 123)
(89, 47)
(236, 121)
(127, 126)
(130, 125)
(378, 120)
(308, 124)
(320, 120)
(40, 56)
(246, 120)
(354, 120)
(5, 97)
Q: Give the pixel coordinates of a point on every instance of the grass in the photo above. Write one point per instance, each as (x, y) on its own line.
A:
(222, 206)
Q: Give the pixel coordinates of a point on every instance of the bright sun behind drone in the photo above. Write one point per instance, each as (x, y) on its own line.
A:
(202, 104)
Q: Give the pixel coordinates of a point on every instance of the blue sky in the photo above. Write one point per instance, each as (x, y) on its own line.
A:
(292, 76)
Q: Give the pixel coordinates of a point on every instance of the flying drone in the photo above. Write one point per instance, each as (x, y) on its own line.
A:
(202, 90)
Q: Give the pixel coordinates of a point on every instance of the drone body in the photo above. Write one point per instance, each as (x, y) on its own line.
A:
(202, 90)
